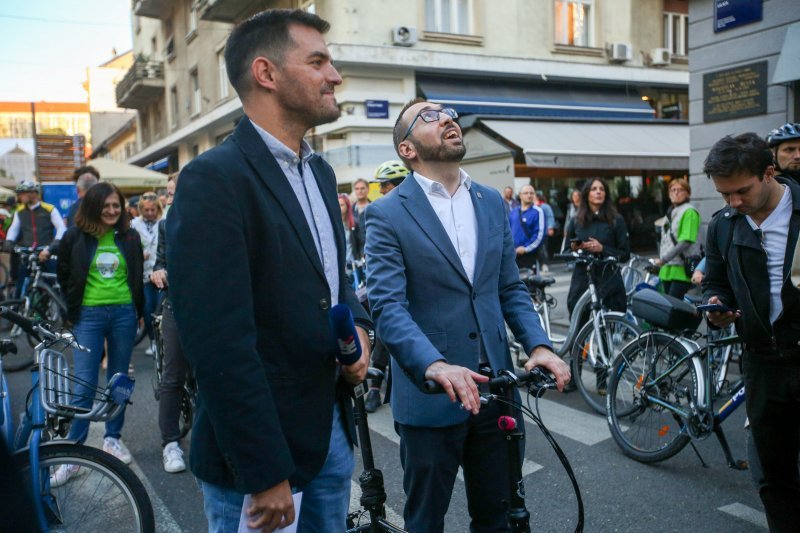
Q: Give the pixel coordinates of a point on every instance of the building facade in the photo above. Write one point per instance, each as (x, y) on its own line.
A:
(745, 67)
(550, 91)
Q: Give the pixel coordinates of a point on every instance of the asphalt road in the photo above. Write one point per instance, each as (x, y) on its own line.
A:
(618, 493)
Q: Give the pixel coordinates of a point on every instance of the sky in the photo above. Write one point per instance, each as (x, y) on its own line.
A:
(47, 45)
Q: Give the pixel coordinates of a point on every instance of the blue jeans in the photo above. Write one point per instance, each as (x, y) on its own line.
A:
(151, 297)
(96, 325)
(326, 499)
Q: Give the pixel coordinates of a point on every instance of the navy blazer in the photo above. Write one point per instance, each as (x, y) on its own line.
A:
(424, 305)
(251, 302)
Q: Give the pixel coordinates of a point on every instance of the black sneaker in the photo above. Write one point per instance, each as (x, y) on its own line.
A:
(373, 400)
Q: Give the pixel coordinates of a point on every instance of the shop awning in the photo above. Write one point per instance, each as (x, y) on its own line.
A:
(127, 176)
(528, 99)
(788, 67)
(593, 145)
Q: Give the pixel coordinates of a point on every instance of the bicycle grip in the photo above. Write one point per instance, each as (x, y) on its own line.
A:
(12, 316)
(430, 386)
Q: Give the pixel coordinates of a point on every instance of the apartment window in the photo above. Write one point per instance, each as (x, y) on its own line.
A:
(676, 33)
(197, 97)
(449, 16)
(573, 22)
(170, 48)
(191, 19)
(173, 107)
(223, 75)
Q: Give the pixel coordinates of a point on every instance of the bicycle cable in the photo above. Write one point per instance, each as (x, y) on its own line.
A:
(536, 417)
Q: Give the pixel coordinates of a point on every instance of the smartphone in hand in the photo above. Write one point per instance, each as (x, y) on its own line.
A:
(716, 308)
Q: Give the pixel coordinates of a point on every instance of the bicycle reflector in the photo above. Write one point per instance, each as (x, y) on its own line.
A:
(507, 423)
(120, 388)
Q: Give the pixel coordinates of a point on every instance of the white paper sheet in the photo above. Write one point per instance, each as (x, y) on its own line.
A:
(292, 528)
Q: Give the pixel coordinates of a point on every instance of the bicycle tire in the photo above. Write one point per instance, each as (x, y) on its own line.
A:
(105, 494)
(590, 379)
(141, 333)
(13, 362)
(187, 412)
(643, 429)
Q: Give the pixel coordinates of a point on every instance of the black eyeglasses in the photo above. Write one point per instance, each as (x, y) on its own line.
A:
(430, 115)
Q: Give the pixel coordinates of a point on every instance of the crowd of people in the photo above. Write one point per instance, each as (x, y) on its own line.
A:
(442, 256)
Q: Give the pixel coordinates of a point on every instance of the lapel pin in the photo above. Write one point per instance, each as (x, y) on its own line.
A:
(479, 195)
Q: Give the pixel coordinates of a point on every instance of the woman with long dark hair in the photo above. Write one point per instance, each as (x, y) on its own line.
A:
(599, 229)
(100, 266)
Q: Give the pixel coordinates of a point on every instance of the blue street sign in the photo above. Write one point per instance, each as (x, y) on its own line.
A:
(733, 13)
(377, 108)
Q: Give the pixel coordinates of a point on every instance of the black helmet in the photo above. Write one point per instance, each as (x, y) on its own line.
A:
(787, 132)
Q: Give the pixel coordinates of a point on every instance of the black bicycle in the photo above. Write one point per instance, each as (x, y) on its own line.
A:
(501, 389)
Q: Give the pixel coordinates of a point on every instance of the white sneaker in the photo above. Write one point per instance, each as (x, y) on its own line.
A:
(152, 349)
(173, 458)
(117, 449)
(63, 474)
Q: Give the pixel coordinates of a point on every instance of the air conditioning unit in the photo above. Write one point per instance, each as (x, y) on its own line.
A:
(660, 57)
(404, 36)
(620, 52)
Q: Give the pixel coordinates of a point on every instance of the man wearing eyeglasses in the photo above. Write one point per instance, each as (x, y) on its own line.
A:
(442, 280)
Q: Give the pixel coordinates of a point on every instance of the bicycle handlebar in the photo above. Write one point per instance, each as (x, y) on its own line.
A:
(25, 323)
(39, 330)
(537, 379)
(581, 257)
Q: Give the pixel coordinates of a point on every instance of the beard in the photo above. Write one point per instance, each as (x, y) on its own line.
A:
(793, 173)
(307, 111)
(442, 152)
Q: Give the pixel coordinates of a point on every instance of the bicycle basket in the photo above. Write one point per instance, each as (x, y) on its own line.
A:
(664, 311)
(56, 385)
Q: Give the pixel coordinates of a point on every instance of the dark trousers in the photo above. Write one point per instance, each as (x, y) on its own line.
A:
(527, 260)
(677, 288)
(174, 376)
(430, 459)
(151, 296)
(773, 407)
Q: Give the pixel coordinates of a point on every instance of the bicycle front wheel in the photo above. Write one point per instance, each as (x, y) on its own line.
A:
(651, 385)
(103, 494)
(593, 353)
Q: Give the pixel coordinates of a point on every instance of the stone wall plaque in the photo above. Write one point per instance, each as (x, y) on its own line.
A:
(736, 92)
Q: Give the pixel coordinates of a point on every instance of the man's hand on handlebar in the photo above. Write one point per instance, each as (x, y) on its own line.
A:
(357, 372)
(44, 255)
(543, 357)
(272, 508)
(458, 381)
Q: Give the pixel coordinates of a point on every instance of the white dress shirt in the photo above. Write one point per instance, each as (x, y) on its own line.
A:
(457, 215)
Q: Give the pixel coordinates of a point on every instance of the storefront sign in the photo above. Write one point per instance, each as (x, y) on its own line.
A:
(733, 13)
(377, 108)
(736, 92)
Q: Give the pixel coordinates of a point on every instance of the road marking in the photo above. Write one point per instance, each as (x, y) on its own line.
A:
(165, 522)
(572, 423)
(355, 496)
(743, 512)
(382, 423)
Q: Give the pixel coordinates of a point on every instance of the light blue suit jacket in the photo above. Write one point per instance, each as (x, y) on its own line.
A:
(426, 309)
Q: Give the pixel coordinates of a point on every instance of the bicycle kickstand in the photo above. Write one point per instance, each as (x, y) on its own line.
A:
(723, 442)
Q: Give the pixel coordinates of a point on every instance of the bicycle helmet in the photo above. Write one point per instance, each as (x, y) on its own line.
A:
(787, 132)
(27, 186)
(390, 171)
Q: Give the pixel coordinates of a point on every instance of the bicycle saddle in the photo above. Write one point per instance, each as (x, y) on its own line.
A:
(539, 282)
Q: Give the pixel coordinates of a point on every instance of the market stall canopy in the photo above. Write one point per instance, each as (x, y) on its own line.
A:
(595, 145)
(126, 176)
(4, 191)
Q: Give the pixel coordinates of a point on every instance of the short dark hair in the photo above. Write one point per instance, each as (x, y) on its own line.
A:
(361, 180)
(87, 169)
(264, 34)
(90, 210)
(733, 155)
(400, 127)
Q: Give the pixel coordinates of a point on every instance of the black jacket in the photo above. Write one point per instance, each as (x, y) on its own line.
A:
(75, 254)
(252, 302)
(161, 248)
(738, 276)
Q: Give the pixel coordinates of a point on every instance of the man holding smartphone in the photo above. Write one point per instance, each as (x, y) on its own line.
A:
(749, 252)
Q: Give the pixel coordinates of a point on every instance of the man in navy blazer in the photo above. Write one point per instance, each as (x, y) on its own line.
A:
(441, 280)
(256, 260)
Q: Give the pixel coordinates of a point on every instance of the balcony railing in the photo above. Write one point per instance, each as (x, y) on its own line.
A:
(150, 8)
(141, 85)
(234, 10)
